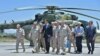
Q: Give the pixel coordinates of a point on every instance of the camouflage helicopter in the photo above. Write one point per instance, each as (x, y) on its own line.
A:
(52, 13)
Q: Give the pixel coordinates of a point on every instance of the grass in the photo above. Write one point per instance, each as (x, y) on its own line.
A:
(97, 40)
(9, 39)
(13, 39)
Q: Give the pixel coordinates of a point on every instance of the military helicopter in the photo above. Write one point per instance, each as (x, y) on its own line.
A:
(52, 13)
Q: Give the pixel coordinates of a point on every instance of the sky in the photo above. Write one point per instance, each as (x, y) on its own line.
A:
(6, 5)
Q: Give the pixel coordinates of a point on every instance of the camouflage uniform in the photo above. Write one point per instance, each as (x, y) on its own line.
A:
(41, 42)
(53, 39)
(20, 38)
(34, 36)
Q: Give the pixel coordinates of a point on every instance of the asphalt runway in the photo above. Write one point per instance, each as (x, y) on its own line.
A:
(8, 49)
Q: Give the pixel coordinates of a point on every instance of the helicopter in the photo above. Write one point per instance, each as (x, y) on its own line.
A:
(51, 13)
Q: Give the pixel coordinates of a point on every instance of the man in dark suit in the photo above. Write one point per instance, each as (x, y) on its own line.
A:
(48, 32)
(90, 36)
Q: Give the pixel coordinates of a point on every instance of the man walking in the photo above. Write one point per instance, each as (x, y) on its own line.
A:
(70, 37)
(90, 37)
(53, 39)
(41, 42)
(48, 33)
(79, 32)
(34, 36)
(61, 36)
(20, 37)
(57, 38)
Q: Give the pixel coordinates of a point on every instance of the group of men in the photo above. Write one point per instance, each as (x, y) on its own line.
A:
(56, 35)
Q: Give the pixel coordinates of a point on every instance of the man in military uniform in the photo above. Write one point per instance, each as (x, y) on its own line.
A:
(61, 38)
(53, 39)
(20, 37)
(41, 42)
(34, 36)
(56, 43)
(63, 35)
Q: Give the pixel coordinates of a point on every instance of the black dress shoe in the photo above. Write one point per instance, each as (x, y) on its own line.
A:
(75, 51)
(33, 51)
(47, 53)
(24, 50)
(89, 52)
(78, 52)
(62, 53)
(57, 52)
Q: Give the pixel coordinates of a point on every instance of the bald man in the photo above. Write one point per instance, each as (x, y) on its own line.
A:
(20, 37)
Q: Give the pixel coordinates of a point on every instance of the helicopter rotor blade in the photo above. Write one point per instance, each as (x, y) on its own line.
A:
(80, 14)
(29, 8)
(7, 11)
(21, 9)
(81, 9)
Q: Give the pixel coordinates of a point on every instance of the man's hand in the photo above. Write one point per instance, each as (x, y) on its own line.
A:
(94, 38)
(49, 36)
(79, 34)
(29, 35)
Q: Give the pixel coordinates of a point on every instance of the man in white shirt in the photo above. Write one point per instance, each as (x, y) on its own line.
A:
(79, 33)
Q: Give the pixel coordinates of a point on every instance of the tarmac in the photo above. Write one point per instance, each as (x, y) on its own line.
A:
(9, 49)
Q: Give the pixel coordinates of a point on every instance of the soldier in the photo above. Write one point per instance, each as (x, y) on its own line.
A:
(20, 37)
(57, 37)
(53, 39)
(61, 38)
(41, 42)
(34, 36)
(62, 35)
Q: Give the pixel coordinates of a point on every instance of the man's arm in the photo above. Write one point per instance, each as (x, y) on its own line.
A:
(23, 32)
(94, 33)
(86, 32)
(51, 31)
(30, 33)
(94, 30)
(43, 29)
(16, 33)
(83, 31)
(74, 31)
(69, 30)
